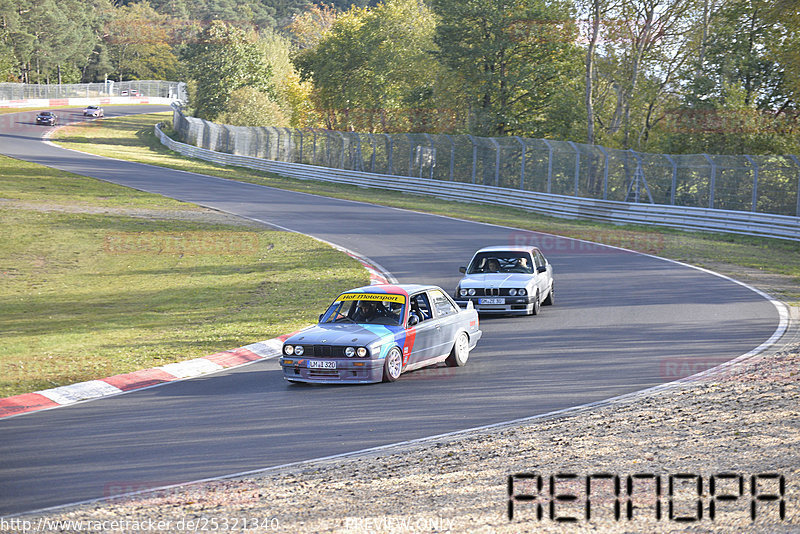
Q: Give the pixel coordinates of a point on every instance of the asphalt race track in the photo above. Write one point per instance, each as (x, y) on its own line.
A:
(622, 322)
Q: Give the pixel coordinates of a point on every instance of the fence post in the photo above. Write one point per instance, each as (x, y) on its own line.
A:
(300, 133)
(496, 161)
(372, 158)
(797, 209)
(755, 181)
(712, 184)
(674, 179)
(577, 165)
(433, 152)
(474, 156)
(341, 159)
(522, 173)
(549, 163)
(288, 145)
(452, 155)
(410, 155)
(391, 151)
(605, 171)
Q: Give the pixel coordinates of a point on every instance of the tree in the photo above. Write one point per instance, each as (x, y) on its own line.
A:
(373, 70)
(225, 58)
(512, 56)
(138, 44)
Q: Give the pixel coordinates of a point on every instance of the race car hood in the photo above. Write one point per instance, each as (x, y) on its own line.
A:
(501, 280)
(344, 334)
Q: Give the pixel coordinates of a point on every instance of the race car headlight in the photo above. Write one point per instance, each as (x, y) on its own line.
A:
(362, 352)
(463, 292)
(522, 292)
(471, 292)
(288, 350)
(349, 352)
(512, 292)
(299, 350)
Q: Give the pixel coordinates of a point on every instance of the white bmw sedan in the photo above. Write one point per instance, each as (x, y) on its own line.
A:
(507, 280)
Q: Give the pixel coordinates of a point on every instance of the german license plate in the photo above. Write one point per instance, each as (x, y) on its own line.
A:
(491, 301)
(316, 364)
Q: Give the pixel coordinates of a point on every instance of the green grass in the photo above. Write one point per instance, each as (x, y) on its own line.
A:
(98, 279)
(132, 138)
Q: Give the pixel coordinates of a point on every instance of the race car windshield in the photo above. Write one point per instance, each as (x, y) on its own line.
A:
(501, 262)
(365, 311)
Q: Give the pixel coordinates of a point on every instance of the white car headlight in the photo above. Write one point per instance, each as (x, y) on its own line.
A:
(471, 292)
(288, 350)
(299, 350)
(362, 352)
(512, 292)
(522, 292)
(463, 292)
(349, 352)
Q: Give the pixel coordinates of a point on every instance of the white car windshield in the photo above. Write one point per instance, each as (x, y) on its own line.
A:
(501, 262)
(365, 311)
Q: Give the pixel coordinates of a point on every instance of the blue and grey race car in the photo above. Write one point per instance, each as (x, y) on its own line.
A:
(376, 333)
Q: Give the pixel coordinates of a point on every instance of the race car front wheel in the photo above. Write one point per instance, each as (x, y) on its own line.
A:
(393, 365)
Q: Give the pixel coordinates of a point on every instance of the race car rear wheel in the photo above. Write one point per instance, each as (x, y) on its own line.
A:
(460, 352)
(393, 365)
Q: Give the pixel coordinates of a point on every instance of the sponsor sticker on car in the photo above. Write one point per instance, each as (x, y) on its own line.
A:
(386, 297)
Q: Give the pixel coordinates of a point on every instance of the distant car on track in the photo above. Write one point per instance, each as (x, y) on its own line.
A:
(93, 111)
(376, 333)
(47, 117)
(507, 280)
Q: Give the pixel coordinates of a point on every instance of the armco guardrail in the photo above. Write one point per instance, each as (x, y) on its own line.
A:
(684, 218)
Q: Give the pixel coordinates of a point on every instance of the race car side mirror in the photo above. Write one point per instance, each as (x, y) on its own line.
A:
(541, 268)
(413, 319)
(462, 270)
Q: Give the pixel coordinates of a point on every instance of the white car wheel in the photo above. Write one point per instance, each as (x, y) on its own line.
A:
(460, 352)
(393, 365)
(536, 303)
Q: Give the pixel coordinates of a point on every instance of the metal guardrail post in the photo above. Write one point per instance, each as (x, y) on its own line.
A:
(549, 163)
(712, 184)
(755, 181)
(522, 165)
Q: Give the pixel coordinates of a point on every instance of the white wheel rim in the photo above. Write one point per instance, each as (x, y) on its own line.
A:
(462, 348)
(394, 364)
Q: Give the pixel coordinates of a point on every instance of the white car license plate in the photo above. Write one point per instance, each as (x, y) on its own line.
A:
(316, 364)
(491, 301)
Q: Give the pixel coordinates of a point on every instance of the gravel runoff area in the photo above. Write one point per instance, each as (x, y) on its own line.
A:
(739, 424)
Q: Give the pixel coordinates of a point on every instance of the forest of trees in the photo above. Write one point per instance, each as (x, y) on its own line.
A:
(676, 76)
